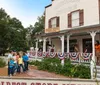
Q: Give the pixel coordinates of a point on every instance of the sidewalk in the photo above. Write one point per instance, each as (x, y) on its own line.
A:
(38, 74)
(32, 72)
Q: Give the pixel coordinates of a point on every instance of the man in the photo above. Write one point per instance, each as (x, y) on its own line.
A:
(10, 56)
(25, 60)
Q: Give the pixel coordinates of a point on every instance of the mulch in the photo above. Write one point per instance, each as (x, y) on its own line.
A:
(3, 71)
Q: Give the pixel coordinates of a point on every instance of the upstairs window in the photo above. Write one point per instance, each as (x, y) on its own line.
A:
(76, 18)
(53, 22)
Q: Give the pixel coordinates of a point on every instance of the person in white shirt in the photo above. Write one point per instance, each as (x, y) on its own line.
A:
(10, 56)
(28, 54)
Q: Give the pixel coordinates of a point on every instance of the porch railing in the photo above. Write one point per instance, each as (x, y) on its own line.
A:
(73, 56)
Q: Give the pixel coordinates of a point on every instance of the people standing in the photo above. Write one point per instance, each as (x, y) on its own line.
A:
(20, 64)
(10, 56)
(25, 60)
(87, 49)
(15, 63)
(11, 67)
(97, 50)
(17, 57)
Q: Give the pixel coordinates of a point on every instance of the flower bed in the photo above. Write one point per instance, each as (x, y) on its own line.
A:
(69, 70)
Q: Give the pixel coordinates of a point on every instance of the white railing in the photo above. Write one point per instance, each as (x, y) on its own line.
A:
(74, 57)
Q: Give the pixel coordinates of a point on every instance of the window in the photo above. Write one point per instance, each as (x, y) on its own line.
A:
(53, 22)
(76, 18)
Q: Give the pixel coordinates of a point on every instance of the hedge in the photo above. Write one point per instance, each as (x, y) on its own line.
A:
(2, 63)
(69, 70)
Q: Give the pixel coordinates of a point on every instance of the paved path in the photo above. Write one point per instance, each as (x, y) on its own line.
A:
(38, 74)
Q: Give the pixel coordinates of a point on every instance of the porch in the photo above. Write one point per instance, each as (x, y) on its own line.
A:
(89, 33)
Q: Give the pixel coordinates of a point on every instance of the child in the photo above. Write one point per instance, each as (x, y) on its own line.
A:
(20, 64)
(11, 66)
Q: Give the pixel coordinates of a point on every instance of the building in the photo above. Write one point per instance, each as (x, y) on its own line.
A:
(72, 22)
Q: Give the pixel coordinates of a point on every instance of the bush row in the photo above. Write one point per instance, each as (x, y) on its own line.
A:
(70, 70)
(2, 63)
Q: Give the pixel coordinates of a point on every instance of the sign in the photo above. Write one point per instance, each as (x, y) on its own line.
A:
(46, 81)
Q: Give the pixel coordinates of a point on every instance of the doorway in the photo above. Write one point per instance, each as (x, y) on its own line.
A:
(87, 45)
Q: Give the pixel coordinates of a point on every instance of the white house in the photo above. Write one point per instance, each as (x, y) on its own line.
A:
(71, 22)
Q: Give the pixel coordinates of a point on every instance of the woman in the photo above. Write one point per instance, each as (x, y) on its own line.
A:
(20, 64)
(97, 50)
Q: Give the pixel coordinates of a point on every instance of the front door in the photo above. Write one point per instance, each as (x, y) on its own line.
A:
(87, 45)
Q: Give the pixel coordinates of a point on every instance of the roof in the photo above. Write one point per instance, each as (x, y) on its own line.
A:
(64, 32)
(48, 5)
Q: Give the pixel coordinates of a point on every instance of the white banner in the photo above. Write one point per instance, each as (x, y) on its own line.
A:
(44, 81)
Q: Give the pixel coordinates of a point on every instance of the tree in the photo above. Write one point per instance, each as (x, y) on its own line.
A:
(12, 33)
(39, 25)
(18, 35)
(13, 36)
(38, 28)
(28, 36)
(4, 19)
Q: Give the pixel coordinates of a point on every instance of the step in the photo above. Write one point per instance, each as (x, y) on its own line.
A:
(98, 71)
(98, 75)
(97, 66)
(98, 78)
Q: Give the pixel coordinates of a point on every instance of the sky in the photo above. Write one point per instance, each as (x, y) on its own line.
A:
(27, 11)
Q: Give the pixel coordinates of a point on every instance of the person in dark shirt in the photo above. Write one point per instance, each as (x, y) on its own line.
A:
(25, 60)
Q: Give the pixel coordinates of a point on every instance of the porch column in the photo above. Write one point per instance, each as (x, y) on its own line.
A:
(62, 43)
(68, 36)
(62, 48)
(44, 45)
(36, 44)
(93, 33)
(36, 49)
(50, 41)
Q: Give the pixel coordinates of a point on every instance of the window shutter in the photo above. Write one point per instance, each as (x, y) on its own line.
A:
(81, 17)
(69, 20)
(57, 21)
(49, 23)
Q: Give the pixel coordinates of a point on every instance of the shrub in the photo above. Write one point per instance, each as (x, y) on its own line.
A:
(82, 71)
(2, 63)
(36, 63)
(49, 64)
(66, 70)
(70, 70)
